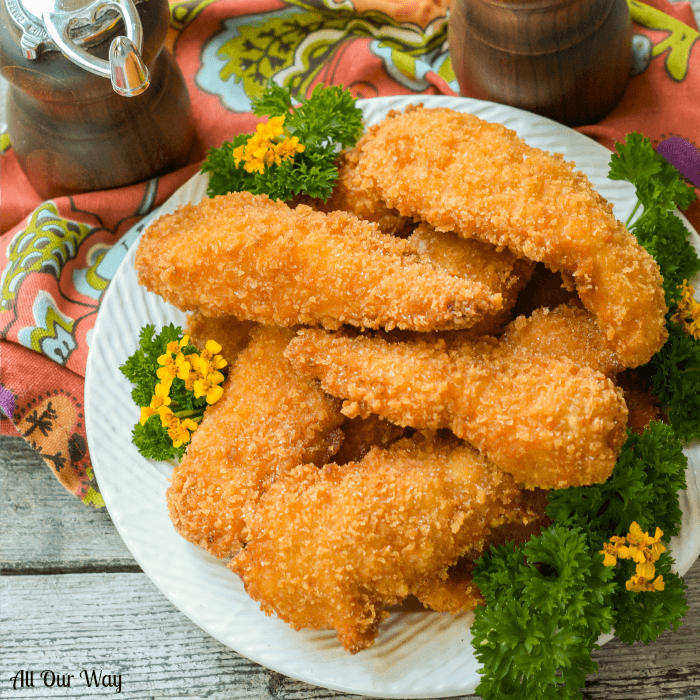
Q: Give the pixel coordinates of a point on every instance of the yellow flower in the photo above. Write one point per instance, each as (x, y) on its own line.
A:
(193, 377)
(267, 147)
(183, 369)
(175, 346)
(644, 550)
(170, 367)
(179, 431)
(687, 313)
(646, 569)
(209, 360)
(167, 417)
(609, 554)
(209, 387)
(289, 148)
(161, 397)
(146, 413)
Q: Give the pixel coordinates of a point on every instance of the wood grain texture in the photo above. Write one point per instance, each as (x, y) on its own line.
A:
(43, 528)
(94, 614)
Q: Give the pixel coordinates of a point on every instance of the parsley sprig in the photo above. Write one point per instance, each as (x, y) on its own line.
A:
(173, 384)
(548, 600)
(675, 370)
(660, 189)
(325, 123)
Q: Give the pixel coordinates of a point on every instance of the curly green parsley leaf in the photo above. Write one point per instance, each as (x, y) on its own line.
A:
(545, 609)
(142, 367)
(675, 374)
(322, 125)
(660, 188)
(675, 370)
(642, 617)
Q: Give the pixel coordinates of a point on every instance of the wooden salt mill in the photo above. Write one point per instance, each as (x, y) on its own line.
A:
(569, 60)
(94, 100)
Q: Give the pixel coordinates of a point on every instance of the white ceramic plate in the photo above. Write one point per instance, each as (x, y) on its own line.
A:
(417, 655)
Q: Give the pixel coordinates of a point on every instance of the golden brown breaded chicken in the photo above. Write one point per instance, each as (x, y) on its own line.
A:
(247, 256)
(498, 270)
(453, 590)
(233, 335)
(348, 195)
(268, 420)
(566, 331)
(545, 420)
(330, 548)
(460, 173)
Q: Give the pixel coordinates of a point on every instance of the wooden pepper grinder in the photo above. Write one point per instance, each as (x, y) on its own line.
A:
(569, 60)
(94, 100)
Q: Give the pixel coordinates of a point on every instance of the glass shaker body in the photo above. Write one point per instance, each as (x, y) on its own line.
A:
(569, 60)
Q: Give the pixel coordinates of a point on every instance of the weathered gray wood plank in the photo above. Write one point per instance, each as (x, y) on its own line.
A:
(121, 624)
(45, 529)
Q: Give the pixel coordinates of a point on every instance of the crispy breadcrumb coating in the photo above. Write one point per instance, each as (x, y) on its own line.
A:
(233, 335)
(330, 548)
(268, 421)
(498, 270)
(564, 332)
(545, 420)
(460, 173)
(453, 591)
(247, 256)
(349, 195)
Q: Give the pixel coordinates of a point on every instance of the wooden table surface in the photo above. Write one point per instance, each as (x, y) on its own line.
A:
(72, 598)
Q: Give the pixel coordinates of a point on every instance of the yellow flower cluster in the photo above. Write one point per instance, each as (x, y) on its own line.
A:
(267, 146)
(201, 375)
(642, 549)
(688, 312)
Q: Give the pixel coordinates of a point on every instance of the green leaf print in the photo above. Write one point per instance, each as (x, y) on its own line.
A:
(296, 47)
(46, 244)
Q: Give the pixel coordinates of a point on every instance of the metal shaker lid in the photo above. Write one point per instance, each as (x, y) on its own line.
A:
(72, 26)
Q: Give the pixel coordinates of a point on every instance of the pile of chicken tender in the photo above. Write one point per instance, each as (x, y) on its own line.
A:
(414, 364)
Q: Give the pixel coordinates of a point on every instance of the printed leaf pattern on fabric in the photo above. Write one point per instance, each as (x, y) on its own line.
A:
(294, 46)
(677, 45)
(46, 244)
(50, 287)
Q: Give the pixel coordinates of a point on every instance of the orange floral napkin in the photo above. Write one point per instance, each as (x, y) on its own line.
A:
(57, 257)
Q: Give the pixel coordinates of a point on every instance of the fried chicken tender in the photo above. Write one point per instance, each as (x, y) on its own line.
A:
(233, 335)
(453, 590)
(566, 331)
(498, 270)
(330, 548)
(247, 256)
(460, 173)
(349, 195)
(545, 420)
(268, 421)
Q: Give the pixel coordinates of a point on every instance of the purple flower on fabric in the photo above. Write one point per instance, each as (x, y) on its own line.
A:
(683, 156)
(7, 402)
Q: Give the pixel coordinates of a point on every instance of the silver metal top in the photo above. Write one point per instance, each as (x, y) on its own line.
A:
(72, 26)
